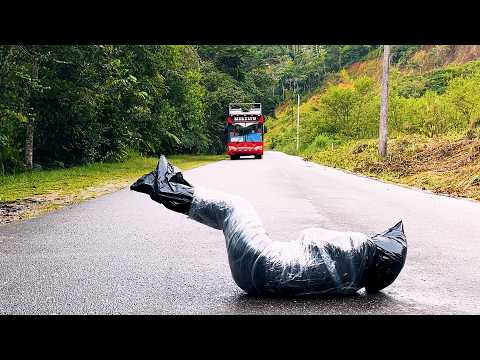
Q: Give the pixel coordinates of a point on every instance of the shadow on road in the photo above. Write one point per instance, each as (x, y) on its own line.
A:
(246, 158)
(359, 303)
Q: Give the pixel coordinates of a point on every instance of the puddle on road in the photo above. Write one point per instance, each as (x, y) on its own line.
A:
(359, 303)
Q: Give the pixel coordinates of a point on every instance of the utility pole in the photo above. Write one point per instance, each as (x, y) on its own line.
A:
(383, 130)
(298, 120)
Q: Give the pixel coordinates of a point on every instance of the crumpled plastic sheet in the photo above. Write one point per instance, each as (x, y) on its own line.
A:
(319, 261)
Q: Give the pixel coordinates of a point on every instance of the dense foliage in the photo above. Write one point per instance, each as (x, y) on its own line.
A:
(88, 103)
(433, 103)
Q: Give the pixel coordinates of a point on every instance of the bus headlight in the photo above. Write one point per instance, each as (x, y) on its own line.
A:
(257, 148)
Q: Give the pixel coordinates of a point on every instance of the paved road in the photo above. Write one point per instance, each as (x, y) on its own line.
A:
(124, 254)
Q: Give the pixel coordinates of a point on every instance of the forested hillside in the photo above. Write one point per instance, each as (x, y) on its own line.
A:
(77, 104)
(433, 119)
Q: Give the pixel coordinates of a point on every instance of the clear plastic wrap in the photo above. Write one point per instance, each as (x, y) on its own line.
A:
(320, 261)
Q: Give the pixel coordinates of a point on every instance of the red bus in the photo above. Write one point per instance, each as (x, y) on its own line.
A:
(244, 130)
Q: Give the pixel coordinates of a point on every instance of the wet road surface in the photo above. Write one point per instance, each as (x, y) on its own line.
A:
(125, 254)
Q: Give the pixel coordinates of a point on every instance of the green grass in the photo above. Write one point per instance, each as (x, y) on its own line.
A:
(78, 181)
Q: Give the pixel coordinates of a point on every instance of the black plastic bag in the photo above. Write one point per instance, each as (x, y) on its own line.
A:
(320, 261)
(166, 186)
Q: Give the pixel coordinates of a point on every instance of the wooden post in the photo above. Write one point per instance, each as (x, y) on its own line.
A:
(383, 128)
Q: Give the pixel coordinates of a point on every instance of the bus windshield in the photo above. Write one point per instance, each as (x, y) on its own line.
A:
(245, 133)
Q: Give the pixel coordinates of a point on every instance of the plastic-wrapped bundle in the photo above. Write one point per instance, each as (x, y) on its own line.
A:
(320, 261)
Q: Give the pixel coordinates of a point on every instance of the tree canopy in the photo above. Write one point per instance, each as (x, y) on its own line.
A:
(90, 103)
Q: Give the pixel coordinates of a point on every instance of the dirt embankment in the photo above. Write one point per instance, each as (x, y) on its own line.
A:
(446, 167)
(427, 58)
(437, 157)
(458, 54)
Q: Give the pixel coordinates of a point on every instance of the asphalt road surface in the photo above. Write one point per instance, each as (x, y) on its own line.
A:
(125, 254)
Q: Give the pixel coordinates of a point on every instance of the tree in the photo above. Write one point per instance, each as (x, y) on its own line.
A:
(64, 105)
(383, 131)
(35, 55)
(20, 91)
(30, 125)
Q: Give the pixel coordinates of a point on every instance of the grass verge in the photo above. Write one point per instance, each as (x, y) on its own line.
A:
(28, 194)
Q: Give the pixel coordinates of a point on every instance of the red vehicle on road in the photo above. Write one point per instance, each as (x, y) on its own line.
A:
(244, 130)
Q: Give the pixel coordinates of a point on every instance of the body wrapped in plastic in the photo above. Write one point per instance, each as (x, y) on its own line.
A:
(320, 261)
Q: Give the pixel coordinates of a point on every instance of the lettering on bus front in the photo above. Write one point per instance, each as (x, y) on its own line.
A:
(245, 118)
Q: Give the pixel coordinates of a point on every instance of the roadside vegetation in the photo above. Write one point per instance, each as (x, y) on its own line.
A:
(71, 116)
(433, 122)
(30, 193)
(68, 105)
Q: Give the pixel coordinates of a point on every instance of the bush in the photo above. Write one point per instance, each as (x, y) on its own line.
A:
(463, 95)
(321, 142)
(402, 53)
(11, 136)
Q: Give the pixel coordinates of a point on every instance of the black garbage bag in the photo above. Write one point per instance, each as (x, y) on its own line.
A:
(320, 261)
(166, 186)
